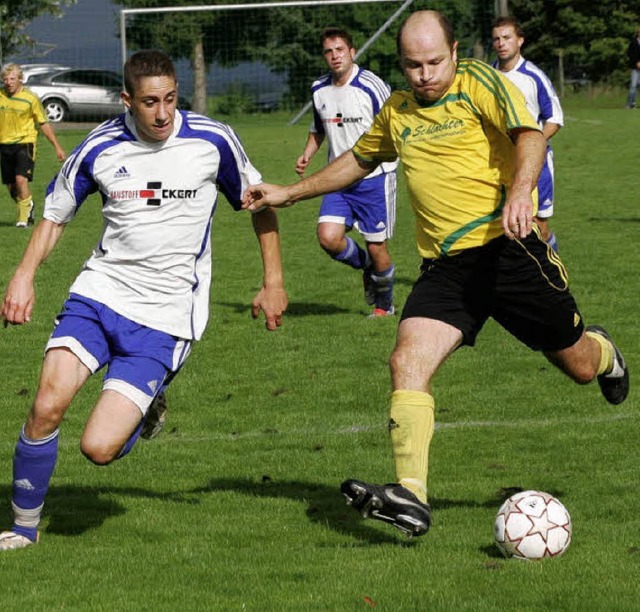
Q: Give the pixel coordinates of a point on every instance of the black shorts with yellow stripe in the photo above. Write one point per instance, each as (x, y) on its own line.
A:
(522, 284)
(17, 160)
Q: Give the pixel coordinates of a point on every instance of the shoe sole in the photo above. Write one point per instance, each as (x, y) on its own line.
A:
(371, 508)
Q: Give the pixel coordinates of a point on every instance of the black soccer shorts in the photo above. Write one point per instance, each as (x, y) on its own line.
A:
(522, 284)
(17, 160)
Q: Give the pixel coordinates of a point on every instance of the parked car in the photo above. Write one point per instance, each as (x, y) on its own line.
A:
(78, 92)
(81, 93)
(31, 70)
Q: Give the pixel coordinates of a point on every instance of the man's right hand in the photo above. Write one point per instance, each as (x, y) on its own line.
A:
(18, 302)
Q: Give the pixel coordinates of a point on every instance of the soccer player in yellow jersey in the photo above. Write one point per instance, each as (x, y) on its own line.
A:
(471, 154)
(21, 114)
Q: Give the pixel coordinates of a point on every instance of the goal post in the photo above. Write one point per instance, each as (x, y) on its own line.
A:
(259, 56)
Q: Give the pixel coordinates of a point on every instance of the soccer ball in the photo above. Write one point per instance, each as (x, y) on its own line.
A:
(532, 525)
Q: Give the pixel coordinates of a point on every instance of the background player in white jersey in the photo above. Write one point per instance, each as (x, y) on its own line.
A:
(142, 297)
(542, 101)
(345, 101)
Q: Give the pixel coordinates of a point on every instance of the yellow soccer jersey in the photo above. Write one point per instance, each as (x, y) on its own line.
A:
(20, 116)
(457, 156)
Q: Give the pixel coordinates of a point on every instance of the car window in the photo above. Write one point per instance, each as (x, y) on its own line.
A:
(73, 76)
(110, 79)
(98, 78)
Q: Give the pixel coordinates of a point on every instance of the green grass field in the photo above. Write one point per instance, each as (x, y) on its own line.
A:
(236, 504)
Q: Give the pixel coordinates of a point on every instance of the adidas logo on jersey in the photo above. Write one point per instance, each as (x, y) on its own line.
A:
(122, 172)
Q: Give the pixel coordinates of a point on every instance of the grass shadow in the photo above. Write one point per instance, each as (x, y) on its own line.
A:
(74, 510)
(324, 506)
(295, 309)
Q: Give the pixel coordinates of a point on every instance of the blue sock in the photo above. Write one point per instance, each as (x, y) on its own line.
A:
(383, 284)
(33, 465)
(353, 255)
(552, 241)
(133, 438)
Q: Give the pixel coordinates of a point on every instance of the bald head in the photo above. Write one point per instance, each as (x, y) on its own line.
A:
(428, 54)
(425, 24)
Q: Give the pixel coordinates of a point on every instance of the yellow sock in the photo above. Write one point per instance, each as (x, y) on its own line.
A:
(24, 209)
(607, 352)
(411, 426)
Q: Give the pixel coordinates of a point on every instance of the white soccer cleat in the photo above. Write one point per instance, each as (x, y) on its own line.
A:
(9, 540)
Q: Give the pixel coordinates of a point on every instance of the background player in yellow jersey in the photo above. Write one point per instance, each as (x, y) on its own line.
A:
(21, 114)
(471, 153)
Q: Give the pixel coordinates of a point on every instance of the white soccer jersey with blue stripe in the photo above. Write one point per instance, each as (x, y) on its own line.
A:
(153, 261)
(344, 113)
(542, 101)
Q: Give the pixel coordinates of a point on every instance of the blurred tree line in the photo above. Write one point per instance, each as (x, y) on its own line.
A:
(590, 35)
(15, 15)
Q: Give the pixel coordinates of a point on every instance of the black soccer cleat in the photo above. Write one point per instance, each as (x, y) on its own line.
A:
(615, 384)
(156, 417)
(391, 503)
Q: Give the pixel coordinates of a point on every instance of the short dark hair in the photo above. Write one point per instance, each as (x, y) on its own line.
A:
(147, 63)
(336, 33)
(506, 20)
(445, 24)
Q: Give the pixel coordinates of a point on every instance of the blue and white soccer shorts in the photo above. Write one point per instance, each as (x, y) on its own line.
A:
(546, 188)
(369, 206)
(140, 361)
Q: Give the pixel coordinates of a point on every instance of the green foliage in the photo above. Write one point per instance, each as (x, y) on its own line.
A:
(292, 39)
(593, 36)
(236, 101)
(15, 16)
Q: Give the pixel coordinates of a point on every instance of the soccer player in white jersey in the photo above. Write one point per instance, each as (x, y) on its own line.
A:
(542, 102)
(345, 101)
(141, 299)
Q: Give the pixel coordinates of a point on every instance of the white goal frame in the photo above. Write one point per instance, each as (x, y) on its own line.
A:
(260, 5)
(252, 5)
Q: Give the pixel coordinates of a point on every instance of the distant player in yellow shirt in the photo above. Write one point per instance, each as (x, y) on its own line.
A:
(471, 153)
(21, 114)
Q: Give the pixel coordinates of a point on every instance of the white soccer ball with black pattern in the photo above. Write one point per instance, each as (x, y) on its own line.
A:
(532, 525)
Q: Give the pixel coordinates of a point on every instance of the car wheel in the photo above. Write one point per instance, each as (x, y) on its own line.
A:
(56, 110)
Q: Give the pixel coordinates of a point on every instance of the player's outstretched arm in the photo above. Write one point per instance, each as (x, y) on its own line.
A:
(340, 173)
(19, 296)
(272, 298)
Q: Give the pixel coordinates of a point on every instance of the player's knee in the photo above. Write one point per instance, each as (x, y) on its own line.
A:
(329, 239)
(46, 414)
(98, 452)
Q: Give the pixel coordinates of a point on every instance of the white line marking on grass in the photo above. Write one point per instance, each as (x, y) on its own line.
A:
(356, 429)
(589, 121)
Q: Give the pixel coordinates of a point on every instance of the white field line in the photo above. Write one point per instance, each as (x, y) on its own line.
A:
(356, 429)
(589, 121)
(166, 438)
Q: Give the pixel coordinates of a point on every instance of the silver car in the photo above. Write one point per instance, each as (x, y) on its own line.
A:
(31, 70)
(78, 93)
